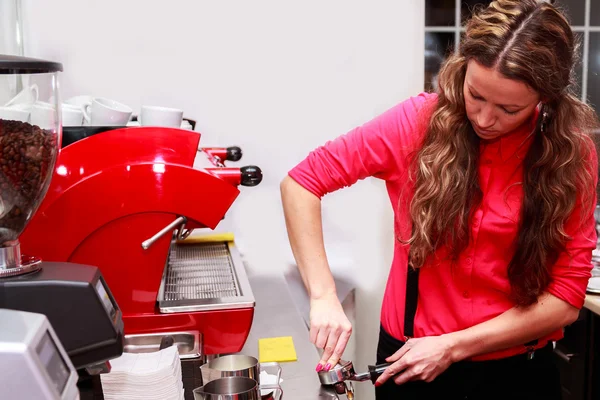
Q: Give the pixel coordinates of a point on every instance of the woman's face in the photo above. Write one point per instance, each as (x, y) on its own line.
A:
(495, 104)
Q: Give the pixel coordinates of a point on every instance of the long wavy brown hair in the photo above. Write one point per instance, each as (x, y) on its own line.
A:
(529, 41)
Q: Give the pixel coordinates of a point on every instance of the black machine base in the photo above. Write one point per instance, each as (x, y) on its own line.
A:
(78, 304)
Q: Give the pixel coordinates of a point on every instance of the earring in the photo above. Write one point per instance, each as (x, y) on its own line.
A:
(544, 121)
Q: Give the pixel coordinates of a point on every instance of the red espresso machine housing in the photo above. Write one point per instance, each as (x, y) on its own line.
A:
(120, 200)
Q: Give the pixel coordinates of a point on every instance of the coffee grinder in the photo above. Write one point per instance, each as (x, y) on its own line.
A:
(74, 297)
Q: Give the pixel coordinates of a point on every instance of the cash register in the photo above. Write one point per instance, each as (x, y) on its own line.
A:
(33, 362)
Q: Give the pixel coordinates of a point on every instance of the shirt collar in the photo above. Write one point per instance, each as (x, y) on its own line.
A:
(519, 141)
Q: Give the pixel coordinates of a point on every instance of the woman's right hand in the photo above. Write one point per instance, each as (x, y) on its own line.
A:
(330, 329)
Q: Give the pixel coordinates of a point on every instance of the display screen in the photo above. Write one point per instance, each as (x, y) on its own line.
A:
(105, 298)
(53, 362)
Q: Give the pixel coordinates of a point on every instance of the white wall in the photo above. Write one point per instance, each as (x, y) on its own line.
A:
(10, 37)
(275, 77)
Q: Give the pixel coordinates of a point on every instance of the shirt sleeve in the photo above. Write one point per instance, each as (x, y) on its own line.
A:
(572, 271)
(378, 148)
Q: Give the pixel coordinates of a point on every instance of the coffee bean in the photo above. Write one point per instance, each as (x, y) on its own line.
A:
(26, 154)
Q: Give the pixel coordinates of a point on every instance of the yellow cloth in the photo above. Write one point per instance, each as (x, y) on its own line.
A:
(277, 349)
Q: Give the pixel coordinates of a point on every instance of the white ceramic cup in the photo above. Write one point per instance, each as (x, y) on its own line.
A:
(161, 116)
(79, 101)
(14, 114)
(106, 112)
(43, 115)
(26, 97)
(72, 115)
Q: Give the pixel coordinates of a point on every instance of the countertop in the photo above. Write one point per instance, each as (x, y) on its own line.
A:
(592, 303)
(275, 315)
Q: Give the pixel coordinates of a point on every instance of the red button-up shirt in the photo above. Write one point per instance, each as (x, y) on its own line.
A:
(476, 289)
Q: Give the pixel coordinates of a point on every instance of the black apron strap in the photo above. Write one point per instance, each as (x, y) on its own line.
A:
(410, 302)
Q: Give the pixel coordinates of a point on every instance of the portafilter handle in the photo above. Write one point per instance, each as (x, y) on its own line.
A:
(375, 371)
(344, 371)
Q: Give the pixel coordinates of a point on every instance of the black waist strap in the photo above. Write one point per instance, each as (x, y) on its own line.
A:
(410, 302)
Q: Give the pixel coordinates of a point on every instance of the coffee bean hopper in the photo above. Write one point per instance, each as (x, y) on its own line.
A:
(74, 298)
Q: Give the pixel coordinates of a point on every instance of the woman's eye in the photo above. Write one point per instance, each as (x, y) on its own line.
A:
(476, 97)
(503, 109)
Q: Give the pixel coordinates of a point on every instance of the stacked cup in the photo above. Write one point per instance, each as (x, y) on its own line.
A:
(19, 107)
(100, 111)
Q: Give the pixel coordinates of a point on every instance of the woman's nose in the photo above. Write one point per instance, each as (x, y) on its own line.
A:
(485, 118)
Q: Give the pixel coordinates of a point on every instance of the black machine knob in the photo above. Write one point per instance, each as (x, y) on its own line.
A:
(234, 153)
(251, 175)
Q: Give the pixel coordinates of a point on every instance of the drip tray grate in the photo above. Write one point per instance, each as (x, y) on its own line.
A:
(204, 276)
(200, 272)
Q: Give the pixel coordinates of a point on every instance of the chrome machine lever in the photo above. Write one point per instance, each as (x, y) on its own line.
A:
(181, 234)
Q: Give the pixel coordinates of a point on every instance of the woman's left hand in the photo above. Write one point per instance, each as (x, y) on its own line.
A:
(419, 359)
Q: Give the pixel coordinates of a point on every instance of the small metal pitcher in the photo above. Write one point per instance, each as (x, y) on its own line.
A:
(235, 388)
(236, 365)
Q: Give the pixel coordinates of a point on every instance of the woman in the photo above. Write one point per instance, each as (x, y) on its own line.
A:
(493, 182)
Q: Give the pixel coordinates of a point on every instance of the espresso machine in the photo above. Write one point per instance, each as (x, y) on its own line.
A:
(131, 200)
(126, 200)
(75, 298)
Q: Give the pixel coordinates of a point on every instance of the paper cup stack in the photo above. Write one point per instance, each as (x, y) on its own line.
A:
(145, 376)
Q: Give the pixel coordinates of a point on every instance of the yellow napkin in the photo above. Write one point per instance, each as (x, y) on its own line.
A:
(277, 349)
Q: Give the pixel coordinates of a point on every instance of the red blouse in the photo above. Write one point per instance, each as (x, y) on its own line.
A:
(451, 298)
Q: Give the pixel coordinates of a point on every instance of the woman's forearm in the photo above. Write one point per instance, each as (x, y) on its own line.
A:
(514, 327)
(302, 211)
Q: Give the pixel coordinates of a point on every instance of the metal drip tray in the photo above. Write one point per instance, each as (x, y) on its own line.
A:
(202, 277)
(188, 343)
